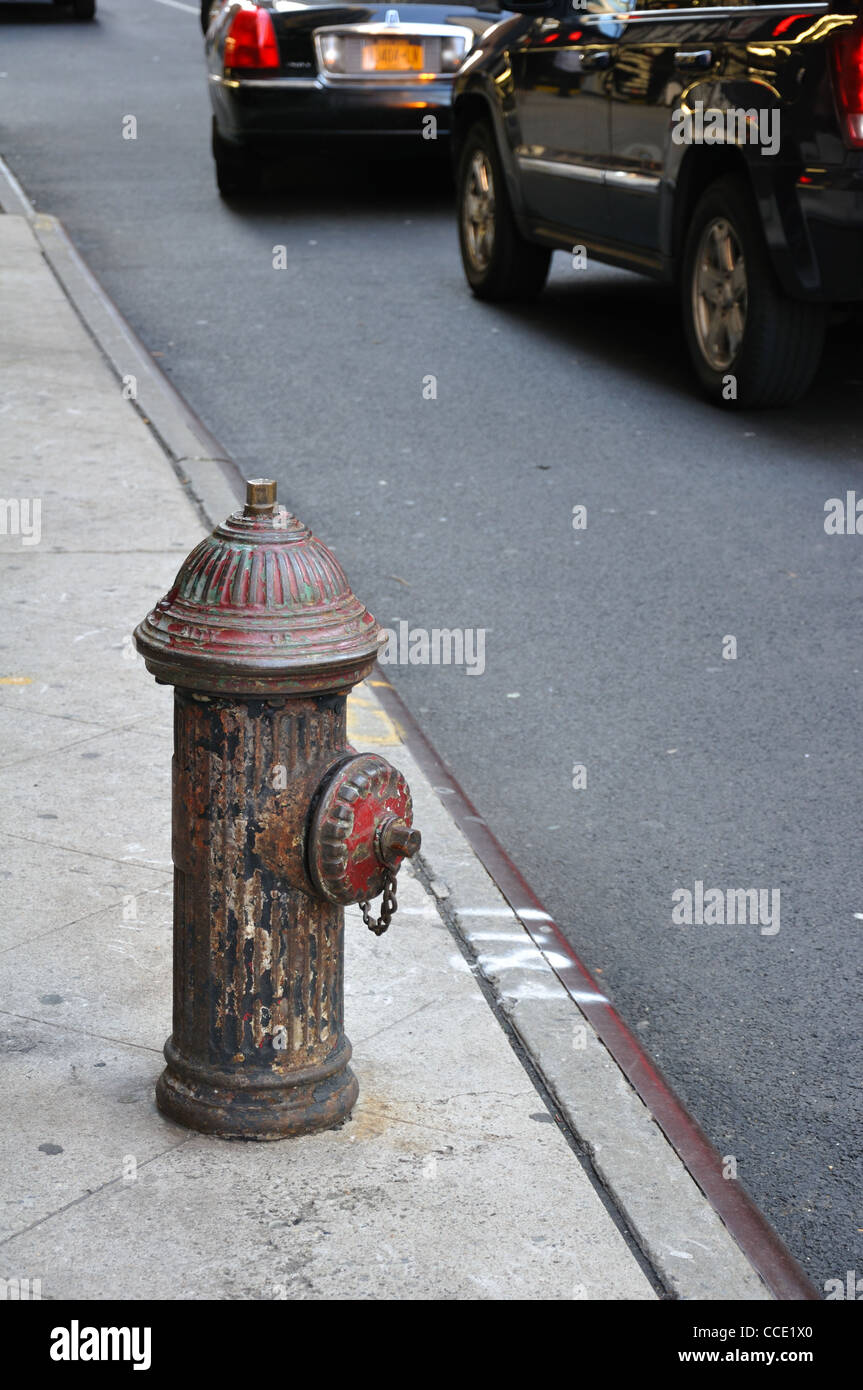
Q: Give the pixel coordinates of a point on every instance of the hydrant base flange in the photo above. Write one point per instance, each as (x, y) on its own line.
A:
(316, 1099)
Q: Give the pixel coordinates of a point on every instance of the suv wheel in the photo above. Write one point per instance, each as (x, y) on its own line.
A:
(750, 343)
(208, 9)
(498, 262)
(238, 171)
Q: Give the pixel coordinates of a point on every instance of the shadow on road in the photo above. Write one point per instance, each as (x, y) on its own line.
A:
(43, 13)
(368, 180)
(605, 318)
(619, 319)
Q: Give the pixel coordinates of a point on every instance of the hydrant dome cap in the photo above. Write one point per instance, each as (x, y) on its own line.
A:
(261, 605)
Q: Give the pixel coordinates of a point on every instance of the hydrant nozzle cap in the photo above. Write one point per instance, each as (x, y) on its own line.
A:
(260, 496)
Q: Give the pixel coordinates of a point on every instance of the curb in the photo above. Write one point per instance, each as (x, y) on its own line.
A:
(645, 1152)
(210, 477)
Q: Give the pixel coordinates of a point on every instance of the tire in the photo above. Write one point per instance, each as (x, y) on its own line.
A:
(238, 171)
(737, 320)
(84, 9)
(207, 8)
(499, 264)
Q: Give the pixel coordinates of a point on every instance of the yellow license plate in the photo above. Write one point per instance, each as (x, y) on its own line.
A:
(390, 55)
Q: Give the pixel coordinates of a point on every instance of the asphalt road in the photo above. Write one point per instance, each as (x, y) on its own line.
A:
(604, 647)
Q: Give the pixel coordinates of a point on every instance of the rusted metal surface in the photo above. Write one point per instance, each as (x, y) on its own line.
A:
(258, 1046)
(260, 606)
(262, 638)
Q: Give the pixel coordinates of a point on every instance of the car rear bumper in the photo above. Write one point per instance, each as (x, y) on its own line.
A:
(299, 108)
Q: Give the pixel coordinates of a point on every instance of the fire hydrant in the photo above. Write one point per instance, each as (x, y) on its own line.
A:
(277, 822)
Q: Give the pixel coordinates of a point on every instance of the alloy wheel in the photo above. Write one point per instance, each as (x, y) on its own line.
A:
(478, 211)
(720, 294)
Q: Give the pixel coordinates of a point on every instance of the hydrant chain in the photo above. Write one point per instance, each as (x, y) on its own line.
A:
(389, 907)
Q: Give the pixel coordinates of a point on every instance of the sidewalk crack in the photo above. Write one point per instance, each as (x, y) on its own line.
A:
(150, 865)
(95, 1192)
(84, 1032)
(76, 921)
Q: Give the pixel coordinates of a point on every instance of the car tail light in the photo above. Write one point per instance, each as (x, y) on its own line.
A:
(251, 41)
(848, 83)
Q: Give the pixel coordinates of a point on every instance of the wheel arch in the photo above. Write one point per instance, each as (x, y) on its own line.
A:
(773, 190)
(467, 108)
(476, 103)
(698, 169)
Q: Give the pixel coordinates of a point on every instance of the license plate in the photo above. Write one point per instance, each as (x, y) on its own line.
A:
(392, 55)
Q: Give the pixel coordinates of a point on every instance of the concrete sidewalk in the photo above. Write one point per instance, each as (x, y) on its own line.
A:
(452, 1180)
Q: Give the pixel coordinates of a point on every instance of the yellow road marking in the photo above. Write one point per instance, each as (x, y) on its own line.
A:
(372, 740)
(356, 721)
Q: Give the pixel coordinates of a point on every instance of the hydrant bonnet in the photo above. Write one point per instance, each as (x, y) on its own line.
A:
(259, 606)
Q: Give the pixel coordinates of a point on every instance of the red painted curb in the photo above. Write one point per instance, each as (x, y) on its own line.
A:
(753, 1233)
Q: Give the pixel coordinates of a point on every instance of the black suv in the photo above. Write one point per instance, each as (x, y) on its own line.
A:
(716, 147)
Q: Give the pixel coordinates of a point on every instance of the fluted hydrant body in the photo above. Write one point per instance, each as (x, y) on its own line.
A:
(277, 822)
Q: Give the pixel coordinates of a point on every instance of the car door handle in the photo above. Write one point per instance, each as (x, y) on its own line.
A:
(693, 58)
(596, 59)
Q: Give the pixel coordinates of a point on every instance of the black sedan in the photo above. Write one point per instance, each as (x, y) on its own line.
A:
(284, 74)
